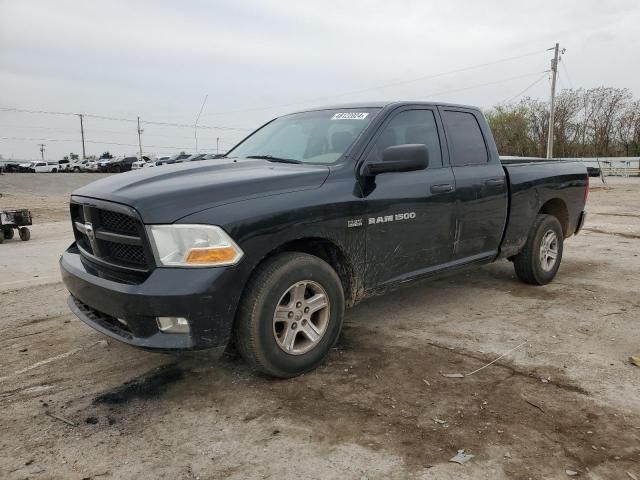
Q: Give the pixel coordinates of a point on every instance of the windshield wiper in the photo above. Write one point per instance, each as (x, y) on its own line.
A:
(271, 158)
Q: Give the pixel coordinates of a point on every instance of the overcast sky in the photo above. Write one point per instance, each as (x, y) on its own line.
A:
(255, 60)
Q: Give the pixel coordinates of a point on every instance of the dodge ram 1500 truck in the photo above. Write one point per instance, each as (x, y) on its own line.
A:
(309, 214)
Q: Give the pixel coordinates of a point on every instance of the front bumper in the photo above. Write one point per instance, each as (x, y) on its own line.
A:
(127, 310)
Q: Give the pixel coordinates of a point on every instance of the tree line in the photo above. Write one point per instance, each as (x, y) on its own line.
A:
(595, 122)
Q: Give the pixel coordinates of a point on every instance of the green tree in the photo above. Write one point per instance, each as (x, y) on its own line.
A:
(510, 126)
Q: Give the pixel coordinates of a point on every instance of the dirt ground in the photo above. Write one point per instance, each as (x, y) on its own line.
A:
(74, 405)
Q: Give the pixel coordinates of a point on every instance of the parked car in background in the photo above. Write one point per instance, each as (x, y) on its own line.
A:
(192, 158)
(179, 158)
(10, 167)
(64, 165)
(91, 166)
(156, 161)
(45, 167)
(139, 163)
(78, 165)
(211, 156)
(26, 167)
(119, 164)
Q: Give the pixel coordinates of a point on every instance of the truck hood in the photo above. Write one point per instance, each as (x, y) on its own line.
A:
(167, 193)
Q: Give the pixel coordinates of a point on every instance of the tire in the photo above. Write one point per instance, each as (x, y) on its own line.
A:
(280, 345)
(534, 263)
(25, 233)
(76, 169)
(116, 169)
(8, 233)
(55, 170)
(1, 239)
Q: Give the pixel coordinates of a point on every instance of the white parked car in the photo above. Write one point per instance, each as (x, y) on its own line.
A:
(45, 167)
(77, 165)
(140, 163)
(64, 165)
(91, 166)
(156, 161)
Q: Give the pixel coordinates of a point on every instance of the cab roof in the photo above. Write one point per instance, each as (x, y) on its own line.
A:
(383, 104)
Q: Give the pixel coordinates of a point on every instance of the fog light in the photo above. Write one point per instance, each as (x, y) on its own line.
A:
(173, 324)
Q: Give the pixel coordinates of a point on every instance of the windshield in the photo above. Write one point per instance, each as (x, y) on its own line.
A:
(308, 137)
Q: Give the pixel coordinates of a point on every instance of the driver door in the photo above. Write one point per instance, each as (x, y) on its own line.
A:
(411, 216)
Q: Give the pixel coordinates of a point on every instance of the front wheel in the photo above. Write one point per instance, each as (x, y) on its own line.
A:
(539, 260)
(25, 233)
(8, 233)
(290, 316)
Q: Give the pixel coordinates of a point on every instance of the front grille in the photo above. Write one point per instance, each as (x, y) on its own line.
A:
(126, 253)
(111, 238)
(118, 222)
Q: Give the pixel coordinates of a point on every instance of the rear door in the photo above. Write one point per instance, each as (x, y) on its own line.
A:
(410, 215)
(481, 185)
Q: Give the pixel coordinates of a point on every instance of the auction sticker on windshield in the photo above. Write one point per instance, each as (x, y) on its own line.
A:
(350, 116)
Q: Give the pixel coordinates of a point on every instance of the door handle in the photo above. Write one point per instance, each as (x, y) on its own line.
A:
(442, 188)
(494, 182)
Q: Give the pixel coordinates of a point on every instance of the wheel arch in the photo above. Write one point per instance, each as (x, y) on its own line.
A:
(328, 251)
(556, 207)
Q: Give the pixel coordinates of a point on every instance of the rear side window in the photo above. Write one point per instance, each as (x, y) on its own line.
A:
(411, 126)
(466, 137)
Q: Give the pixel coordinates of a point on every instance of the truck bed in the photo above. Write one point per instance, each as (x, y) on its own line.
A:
(536, 183)
(508, 160)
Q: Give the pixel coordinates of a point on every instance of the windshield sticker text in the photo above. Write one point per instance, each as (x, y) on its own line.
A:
(350, 116)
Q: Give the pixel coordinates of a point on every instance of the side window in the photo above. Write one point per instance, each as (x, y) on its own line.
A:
(411, 126)
(466, 137)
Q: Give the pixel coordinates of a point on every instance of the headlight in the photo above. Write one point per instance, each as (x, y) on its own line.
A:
(193, 246)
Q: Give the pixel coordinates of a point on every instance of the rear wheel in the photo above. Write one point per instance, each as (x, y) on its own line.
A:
(290, 316)
(539, 260)
(25, 233)
(8, 233)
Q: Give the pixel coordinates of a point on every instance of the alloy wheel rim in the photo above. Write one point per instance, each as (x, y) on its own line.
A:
(301, 317)
(548, 250)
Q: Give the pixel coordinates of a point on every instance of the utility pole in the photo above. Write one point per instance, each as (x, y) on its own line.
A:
(84, 155)
(42, 145)
(554, 74)
(217, 145)
(140, 138)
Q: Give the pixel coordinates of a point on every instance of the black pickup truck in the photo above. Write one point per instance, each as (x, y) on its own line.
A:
(311, 213)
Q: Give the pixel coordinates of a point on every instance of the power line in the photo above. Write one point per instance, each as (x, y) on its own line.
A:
(563, 62)
(31, 139)
(378, 87)
(496, 82)
(325, 97)
(526, 89)
(119, 119)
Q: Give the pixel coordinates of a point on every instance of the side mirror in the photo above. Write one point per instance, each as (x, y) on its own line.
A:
(400, 158)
